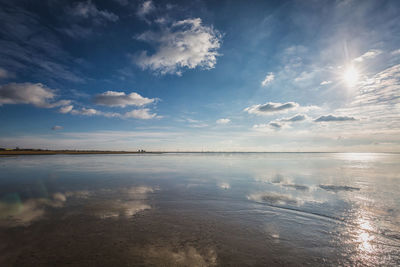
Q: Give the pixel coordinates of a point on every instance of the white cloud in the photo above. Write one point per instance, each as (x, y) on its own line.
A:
(264, 127)
(376, 103)
(145, 8)
(66, 109)
(5, 74)
(395, 52)
(325, 82)
(268, 79)
(35, 94)
(223, 121)
(368, 55)
(305, 76)
(271, 107)
(185, 44)
(113, 99)
(57, 127)
(143, 114)
(89, 10)
(224, 185)
(85, 111)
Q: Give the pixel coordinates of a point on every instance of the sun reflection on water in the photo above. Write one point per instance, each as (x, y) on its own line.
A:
(364, 237)
(358, 156)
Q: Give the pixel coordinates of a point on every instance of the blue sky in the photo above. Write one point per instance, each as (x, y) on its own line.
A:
(200, 75)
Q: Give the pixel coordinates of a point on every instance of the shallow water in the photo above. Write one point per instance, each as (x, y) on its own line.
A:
(200, 209)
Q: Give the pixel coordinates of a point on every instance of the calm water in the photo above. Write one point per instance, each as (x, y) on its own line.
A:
(200, 210)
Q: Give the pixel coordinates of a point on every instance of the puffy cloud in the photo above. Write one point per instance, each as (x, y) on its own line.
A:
(29, 93)
(268, 79)
(85, 111)
(224, 185)
(92, 111)
(223, 121)
(143, 114)
(185, 44)
(396, 52)
(5, 74)
(112, 98)
(57, 127)
(89, 10)
(66, 109)
(270, 107)
(368, 55)
(325, 82)
(267, 127)
(330, 118)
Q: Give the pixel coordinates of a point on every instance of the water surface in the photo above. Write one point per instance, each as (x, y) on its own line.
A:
(200, 209)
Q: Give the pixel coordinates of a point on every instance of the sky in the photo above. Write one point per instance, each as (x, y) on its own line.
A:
(200, 75)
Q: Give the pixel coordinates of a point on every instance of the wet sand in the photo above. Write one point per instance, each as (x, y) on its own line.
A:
(199, 210)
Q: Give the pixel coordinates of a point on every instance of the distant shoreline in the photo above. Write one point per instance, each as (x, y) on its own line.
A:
(99, 152)
(69, 152)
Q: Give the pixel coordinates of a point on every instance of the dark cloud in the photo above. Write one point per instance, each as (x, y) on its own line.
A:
(112, 98)
(35, 94)
(298, 117)
(271, 107)
(275, 125)
(329, 118)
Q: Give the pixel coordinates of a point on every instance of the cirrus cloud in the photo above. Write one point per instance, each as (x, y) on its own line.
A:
(89, 10)
(368, 55)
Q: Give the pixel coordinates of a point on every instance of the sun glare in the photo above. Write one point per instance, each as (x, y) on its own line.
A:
(350, 76)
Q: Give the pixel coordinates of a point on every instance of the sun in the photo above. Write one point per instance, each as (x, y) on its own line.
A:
(350, 76)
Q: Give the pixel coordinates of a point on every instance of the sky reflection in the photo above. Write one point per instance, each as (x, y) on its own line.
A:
(294, 201)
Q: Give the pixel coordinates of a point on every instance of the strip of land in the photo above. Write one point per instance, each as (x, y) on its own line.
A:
(54, 152)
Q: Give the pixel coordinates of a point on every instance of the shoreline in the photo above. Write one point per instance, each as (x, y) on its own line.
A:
(99, 152)
(69, 152)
